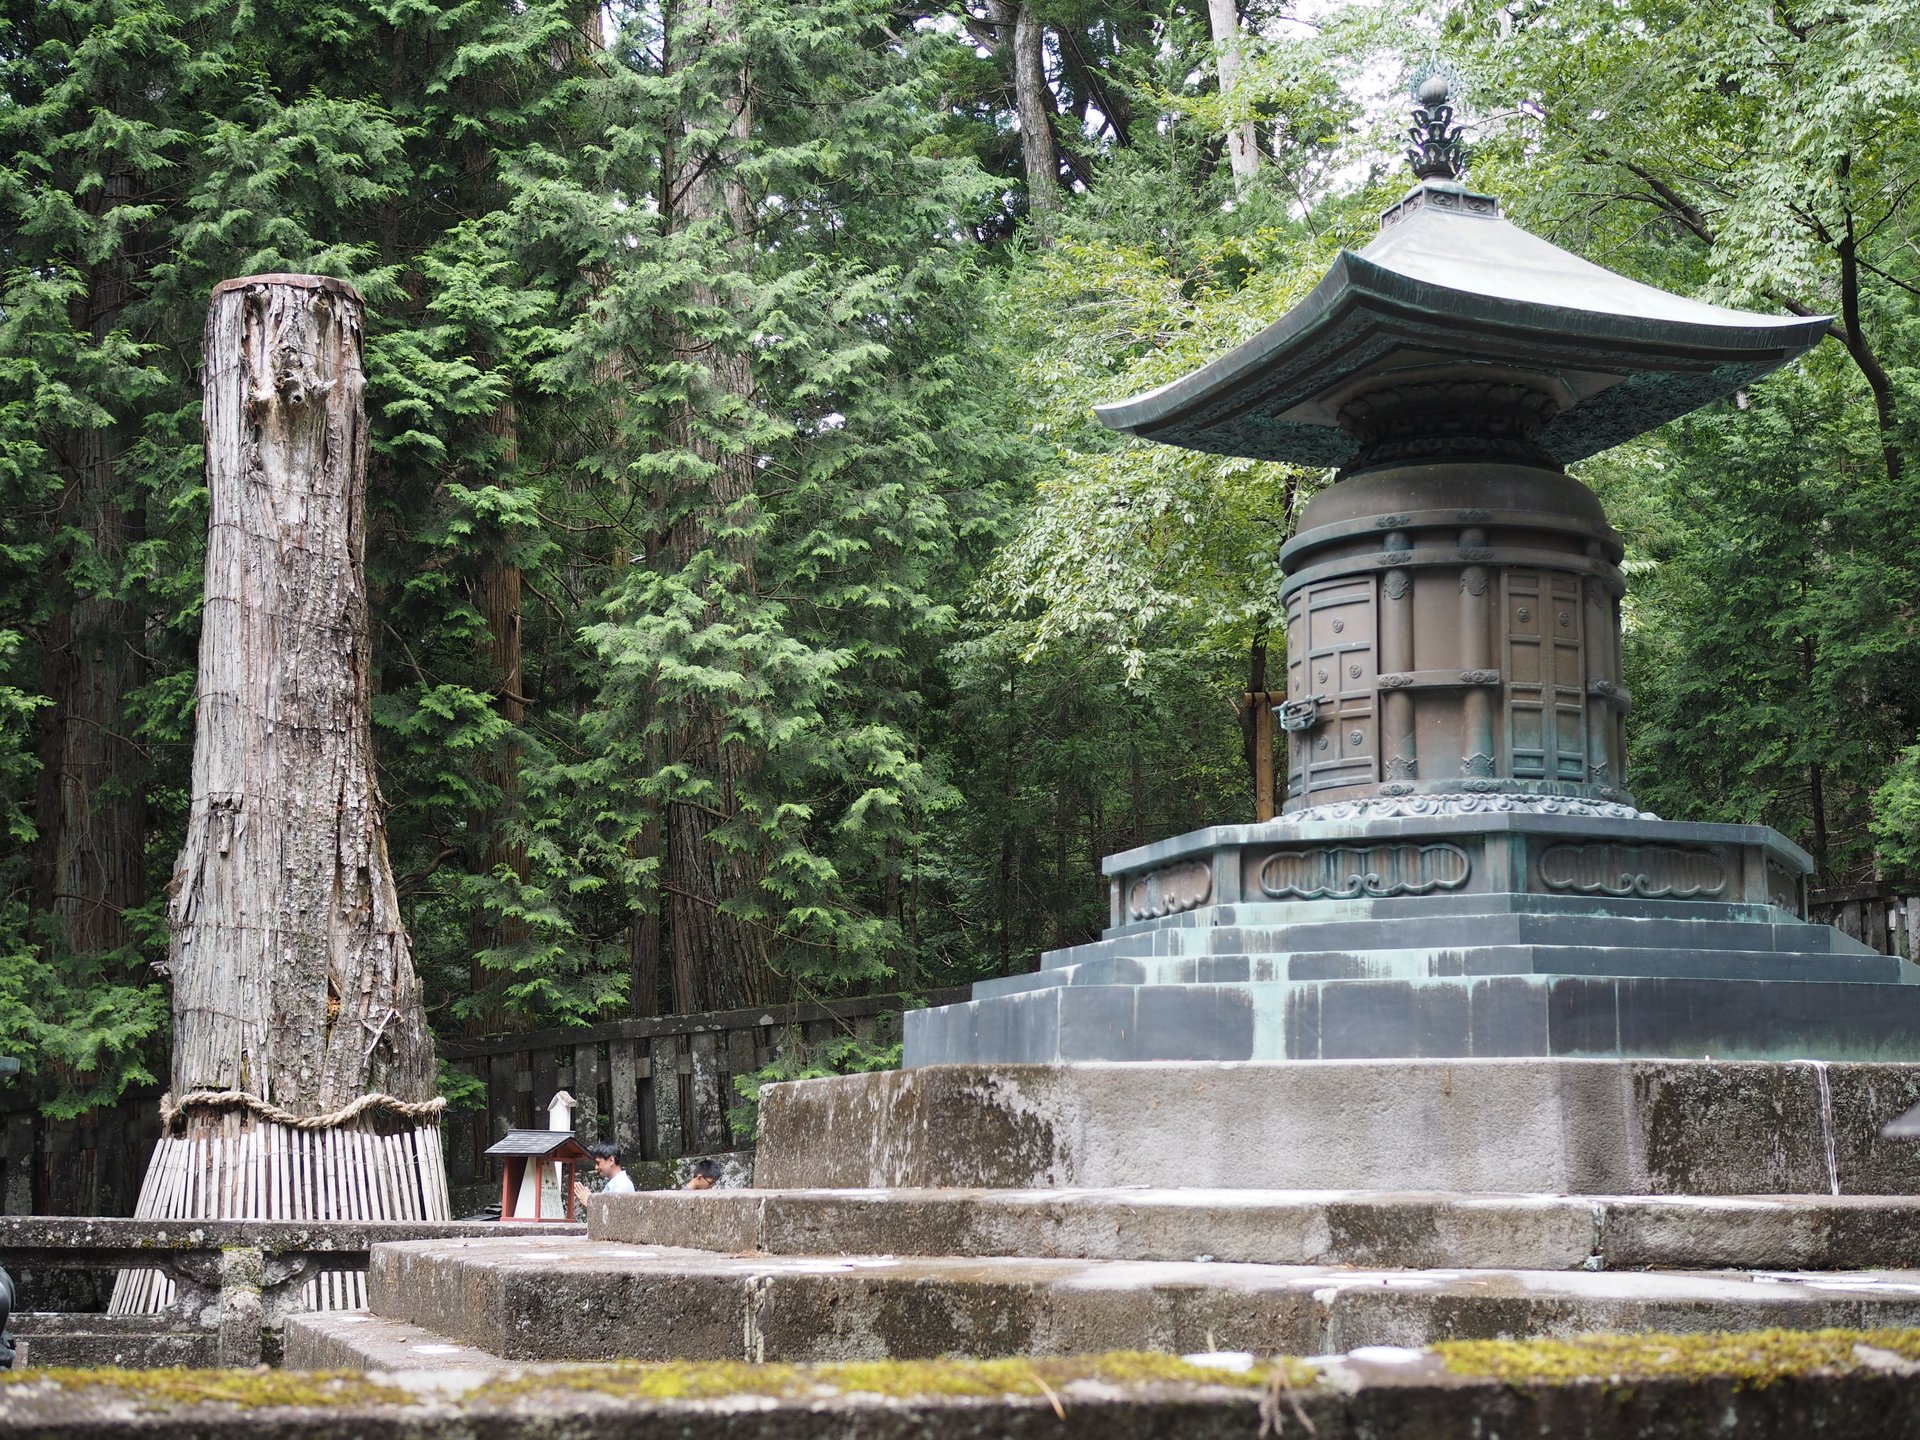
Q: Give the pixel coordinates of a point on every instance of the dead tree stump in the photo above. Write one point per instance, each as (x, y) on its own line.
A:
(303, 1070)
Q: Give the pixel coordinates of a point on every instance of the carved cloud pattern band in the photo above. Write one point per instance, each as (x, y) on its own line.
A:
(1171, 891)
(1654, 872)
(1343, 872)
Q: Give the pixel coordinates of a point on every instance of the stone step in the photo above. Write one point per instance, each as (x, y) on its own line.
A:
(1478, 929)
(1369, 1229)
(1437, 960)
(1169, 933)
(532, 1298)
(358, 1340)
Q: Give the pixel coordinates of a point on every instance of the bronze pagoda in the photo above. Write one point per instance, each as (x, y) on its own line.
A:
(1459, 868)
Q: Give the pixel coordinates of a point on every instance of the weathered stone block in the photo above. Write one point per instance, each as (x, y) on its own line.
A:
(1599, 1127)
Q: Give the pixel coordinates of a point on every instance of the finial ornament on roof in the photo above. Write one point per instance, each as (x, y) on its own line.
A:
(1436, 152)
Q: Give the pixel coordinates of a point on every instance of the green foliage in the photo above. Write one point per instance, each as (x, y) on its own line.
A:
(461, 1091)
(1775, 661)
(802, 1060)
(946, 641)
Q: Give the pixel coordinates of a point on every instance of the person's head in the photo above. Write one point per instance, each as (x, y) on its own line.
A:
(706, 1174)
(606, 1159)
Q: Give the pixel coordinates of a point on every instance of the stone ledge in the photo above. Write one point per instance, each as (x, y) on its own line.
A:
(133, 1342)
(234, 1280)
(601, 1300)
(1366, 1229)
(1327, 826)
(1648, 1008)
(355, 1340)
(87, 1237)
(1762, 1387)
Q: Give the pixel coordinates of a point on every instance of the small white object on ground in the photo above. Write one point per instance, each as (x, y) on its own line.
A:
(1239, 1362)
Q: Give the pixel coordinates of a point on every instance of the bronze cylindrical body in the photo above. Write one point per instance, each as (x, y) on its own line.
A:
(1453, 627)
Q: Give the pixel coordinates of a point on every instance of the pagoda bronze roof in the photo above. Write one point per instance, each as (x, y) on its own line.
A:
(1453, 294)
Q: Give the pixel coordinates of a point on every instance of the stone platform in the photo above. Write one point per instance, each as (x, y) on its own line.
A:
(1545, 928)
(1162, 1207)
(1367, 1230)
(531, 1299)
(1597, 1127)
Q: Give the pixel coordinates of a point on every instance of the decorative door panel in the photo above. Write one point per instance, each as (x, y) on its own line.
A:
(1330, 631)
(1569, 676)
(1546, 702)
(1297, 674)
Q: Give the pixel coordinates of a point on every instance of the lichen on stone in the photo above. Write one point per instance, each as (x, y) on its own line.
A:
(1756, 1358)
(247, 1389)
(893, 1379)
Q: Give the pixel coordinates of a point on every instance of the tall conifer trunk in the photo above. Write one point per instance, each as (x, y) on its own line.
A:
(718, 960)
(1024, 38)
(496, 593)
(293, 974)
(89, 858)
(1243, 149)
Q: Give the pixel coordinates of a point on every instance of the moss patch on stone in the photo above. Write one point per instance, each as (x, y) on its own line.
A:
(894, 1379)
(1755, 1358)
(247, 1389)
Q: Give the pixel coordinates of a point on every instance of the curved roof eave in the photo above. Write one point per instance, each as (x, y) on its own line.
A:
(1676, 364)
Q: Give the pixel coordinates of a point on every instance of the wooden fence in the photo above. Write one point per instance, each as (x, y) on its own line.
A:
(659, 1088)
(1875, 915)
(90, 1165)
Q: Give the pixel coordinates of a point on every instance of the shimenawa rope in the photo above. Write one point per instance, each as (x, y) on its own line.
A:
(171, 1110)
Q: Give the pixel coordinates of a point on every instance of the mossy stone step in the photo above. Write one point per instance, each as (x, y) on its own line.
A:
(563, 1299)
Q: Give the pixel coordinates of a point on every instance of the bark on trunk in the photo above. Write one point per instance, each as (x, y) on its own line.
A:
(719, 961)
(497, 598)
(301, 1059)
(293, 974)
(1243, 151)
(1024, 37)
(89, 861)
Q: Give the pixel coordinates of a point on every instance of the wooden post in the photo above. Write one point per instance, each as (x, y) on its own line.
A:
(297, 1012)
(1262, 701)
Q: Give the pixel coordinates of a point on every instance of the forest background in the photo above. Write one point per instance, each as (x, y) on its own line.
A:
(759, 611)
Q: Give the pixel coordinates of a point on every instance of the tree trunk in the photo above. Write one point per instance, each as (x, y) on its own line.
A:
(89, 860)
(1243, 152)
(496, 594)
(1256, 738)
(89, 855)
(1024, 37)
(293, 975)
(719, 960)
(301, 1058)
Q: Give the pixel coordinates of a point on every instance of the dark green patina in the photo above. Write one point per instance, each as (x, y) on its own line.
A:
(1457, 331)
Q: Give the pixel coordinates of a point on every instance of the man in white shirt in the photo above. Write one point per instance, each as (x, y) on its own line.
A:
(606, 1160)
